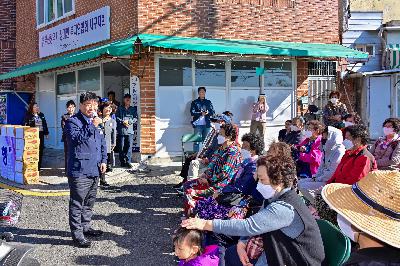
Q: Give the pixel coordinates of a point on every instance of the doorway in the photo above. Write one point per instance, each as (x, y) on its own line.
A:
(379, 104)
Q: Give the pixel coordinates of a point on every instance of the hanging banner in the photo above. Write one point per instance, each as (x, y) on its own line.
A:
(134, 90)
(84, 30)
(3, 109)
(7, 157)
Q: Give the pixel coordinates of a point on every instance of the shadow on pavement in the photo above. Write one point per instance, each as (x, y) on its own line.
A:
(151, 215)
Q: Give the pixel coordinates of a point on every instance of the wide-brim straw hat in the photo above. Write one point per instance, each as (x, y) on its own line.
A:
(372, 205)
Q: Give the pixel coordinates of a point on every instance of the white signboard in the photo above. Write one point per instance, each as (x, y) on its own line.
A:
(84, 30)
(134, 92)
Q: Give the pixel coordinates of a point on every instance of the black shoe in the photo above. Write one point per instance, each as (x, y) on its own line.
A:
(92, 232)
(82, 243)
(104, 184)
(178, 185)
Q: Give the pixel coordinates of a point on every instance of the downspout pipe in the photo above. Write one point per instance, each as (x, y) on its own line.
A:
(383, 41)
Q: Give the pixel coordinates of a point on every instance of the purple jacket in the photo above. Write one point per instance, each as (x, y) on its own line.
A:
(210, 257)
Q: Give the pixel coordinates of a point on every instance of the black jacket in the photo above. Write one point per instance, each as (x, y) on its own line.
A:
(30, 121)
(384, 256)
(292, 138)
(306, 249)
(282, 134)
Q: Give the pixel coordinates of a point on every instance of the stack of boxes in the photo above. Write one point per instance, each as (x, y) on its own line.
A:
(23, 156)
(7, 152)
(27, 144)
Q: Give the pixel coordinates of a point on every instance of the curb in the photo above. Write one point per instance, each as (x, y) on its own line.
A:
(36, 192)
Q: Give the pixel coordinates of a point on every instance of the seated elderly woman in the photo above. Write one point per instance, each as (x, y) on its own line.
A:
(289, 233)
(223, 166)
(386, 150)
(243, 186)
(333, 151)
(355, 164)
(310, 155)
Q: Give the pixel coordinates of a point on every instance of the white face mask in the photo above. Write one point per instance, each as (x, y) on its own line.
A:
(347, 124)
(388, 131)
(294, 128)
(345, 227)
(308, 134)
(334, 100)
(217, 126)
(246, 154)
(348, 144)
(267, 191)
(221, 139)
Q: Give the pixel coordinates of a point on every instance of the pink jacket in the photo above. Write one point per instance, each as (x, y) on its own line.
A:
(210, 257)
(314, 156)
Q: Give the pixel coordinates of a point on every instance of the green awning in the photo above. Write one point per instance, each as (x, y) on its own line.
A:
(228, 46)
(118, 48)
(248, 47)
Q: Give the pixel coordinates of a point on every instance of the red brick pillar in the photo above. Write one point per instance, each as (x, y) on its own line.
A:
(302, 82)
(144, 69)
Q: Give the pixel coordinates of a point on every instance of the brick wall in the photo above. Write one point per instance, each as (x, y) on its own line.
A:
(123, 24)
(144, 69)
(307, 21)
(302, 82)
(7, 40)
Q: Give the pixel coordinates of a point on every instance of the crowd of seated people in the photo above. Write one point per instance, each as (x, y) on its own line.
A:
(252, 207)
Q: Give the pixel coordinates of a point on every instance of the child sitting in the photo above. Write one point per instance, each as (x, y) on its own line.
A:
(188, 248)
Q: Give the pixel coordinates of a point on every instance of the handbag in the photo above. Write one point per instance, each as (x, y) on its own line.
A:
(254, 247)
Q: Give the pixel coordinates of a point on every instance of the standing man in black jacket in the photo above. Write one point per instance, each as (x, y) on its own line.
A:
(126, 116)
(70, 112)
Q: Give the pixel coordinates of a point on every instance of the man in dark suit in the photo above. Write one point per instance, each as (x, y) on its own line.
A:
(87, 159)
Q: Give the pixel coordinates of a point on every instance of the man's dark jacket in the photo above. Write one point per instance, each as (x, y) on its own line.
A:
(86, 147)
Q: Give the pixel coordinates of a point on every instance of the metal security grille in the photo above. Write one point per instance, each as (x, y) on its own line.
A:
(322, 68)
(321, 82)
(319, 89)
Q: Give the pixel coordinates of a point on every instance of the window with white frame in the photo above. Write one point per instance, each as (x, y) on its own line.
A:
(48, 11)
(366, 48)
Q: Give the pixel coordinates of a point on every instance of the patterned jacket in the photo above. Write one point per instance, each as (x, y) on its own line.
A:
(332, 110)
(222, 168)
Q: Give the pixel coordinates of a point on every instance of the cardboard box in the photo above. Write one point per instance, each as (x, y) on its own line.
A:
(26, 132)
(19, 178)
(4, 129)
(27, 144)
(22, 167)
(31, 177)
(29, 156)
(11, 131)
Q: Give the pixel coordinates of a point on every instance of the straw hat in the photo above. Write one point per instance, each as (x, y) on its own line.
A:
(372, 204)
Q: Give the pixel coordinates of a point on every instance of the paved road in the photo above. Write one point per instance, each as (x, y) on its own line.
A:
(137, 217)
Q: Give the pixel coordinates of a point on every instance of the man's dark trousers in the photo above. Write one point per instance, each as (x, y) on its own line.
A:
(83, 196)
(125, 148)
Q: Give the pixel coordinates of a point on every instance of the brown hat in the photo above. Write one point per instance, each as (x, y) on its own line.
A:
(372, 204)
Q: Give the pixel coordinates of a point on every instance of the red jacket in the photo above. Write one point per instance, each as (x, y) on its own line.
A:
(354, 165)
